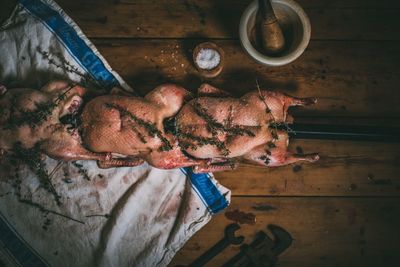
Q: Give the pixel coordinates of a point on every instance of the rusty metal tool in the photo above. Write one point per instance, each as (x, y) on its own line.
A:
(263, 251)
(229, 239)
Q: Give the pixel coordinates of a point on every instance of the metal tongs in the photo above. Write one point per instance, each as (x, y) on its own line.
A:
(343, 132)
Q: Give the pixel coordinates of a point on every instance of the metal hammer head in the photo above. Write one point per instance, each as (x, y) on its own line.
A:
(282, 238)
(230, 234)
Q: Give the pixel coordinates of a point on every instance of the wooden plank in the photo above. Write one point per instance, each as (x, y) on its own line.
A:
(348, 3)
(349, 78)
(345, 169)
(7, 6)
(372, 20)
(326, 231)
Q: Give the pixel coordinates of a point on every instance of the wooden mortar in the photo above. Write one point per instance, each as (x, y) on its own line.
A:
(272, 37)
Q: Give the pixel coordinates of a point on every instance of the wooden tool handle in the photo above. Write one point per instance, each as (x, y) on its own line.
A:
(273, 40)
(266, 11)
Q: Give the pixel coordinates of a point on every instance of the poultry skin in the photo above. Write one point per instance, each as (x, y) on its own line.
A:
(31, 118)
(228, 130)
(167, 128)
(211, 132)
(131, 128)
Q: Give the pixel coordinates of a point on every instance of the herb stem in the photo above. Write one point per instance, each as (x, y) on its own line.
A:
(43, 209)
(150, 127)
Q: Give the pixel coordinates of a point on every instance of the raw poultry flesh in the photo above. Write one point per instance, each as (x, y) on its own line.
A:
(228, 130)
(31, 118)
(167, 128)
(211, 132)
(132, 128)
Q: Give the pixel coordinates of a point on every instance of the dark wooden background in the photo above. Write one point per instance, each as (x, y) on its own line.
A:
(343, 210)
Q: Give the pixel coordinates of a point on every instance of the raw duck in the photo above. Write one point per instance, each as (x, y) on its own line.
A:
(228, 130)
(30, 119)
(132, 128)
(168, 128)
(211, 132)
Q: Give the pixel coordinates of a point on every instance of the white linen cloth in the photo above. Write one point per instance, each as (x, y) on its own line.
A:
(138, 216)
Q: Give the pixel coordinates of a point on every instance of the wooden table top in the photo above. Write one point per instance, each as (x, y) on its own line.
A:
(343, 210)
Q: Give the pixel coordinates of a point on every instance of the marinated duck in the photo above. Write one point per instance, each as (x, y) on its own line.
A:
(228, 130)
(31, 118)
(211, 132)
(132, 128)
(168, 128)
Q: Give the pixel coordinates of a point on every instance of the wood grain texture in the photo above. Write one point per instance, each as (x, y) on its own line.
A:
(353, 20)
(344, 169)
(326, 231)
(349, 78)
(7, 6)
(342, 210)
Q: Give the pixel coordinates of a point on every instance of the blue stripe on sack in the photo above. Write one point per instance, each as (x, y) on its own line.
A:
(77, 47)
(89, 61)
(20, 251)
(202, 183)
(207, 190)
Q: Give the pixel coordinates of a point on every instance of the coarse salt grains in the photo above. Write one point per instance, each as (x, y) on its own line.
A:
(208, 58)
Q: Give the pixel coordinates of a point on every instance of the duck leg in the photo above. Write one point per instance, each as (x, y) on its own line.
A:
(120, 162)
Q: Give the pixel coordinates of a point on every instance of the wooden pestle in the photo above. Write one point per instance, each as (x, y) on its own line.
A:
(272, 37)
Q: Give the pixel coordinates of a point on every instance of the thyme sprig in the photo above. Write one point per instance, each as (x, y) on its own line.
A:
(202, 141)
(272, 122)
(45, 210)
(36, 117)
(82, 171)
(150, 127)
(16, 184)
(60, 62)
(139, 134)
(32, 118)
(214, 126)
(32, 158)
(262, 98)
